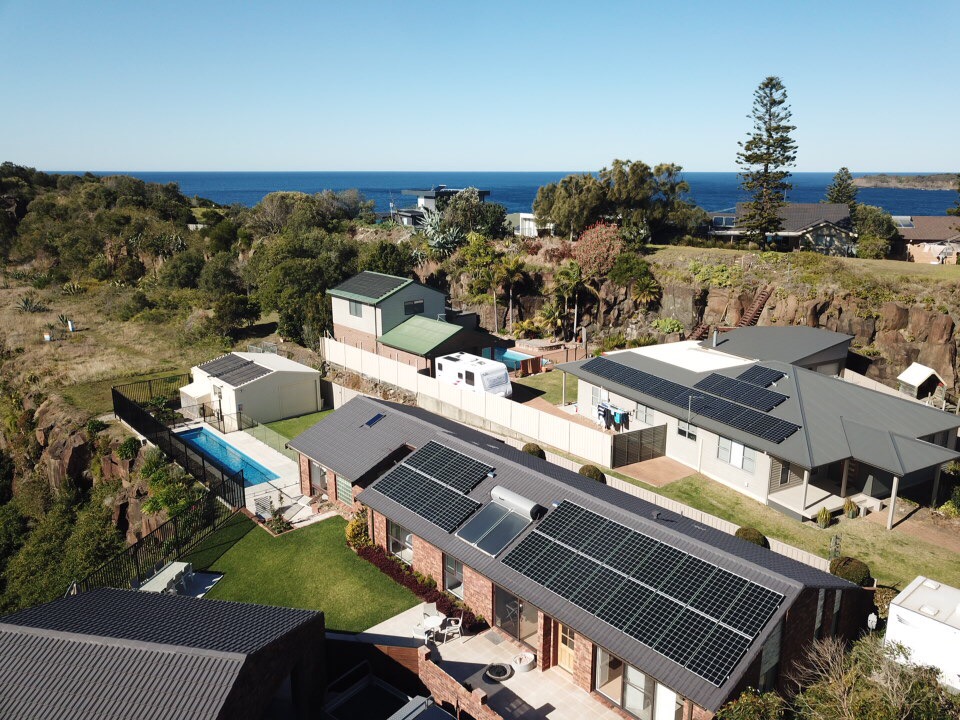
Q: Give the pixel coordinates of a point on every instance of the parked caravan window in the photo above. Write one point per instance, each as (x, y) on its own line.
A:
(469, 378)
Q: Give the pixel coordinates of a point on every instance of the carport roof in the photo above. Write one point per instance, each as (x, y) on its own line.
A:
(420, 335)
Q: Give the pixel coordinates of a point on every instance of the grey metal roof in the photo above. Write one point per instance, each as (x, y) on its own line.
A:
(816, 402)
(369, 286)
(547, 484)
(797, 217)
(44, 676)
(216, 625)
(234, 370)
(787, 344)
(124, 654)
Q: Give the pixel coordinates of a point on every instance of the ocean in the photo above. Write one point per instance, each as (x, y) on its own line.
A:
(515, 190)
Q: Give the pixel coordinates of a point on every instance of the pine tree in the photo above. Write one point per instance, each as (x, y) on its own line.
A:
(842, 190)
(763, 160)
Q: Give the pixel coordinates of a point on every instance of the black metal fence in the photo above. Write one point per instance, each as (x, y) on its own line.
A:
(216, 477)
(170, 541)
(144, 391)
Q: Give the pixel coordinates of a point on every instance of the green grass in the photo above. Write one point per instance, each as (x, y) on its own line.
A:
(291, 427)
(309, 568)
(94, 396)
(894, 558)
(549, 386)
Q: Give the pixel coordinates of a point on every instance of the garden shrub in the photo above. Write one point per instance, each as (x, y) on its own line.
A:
(594, 473)
(357, 534)
(128, 448)
(535, 450)
(753, 535)
(94, 426)
(824, 518)
(882, 598)
(848, 568)
(667, 325)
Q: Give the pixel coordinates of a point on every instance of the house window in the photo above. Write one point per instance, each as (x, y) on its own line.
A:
(736, 454)
(413, 307)
(625, 685)
(596, 395)
(399, 542)
(318, 478)
(469, 378)
(356, 308)
(344, 490)
(453, 576)
(687, 430)
(644, 414)
(784, 473)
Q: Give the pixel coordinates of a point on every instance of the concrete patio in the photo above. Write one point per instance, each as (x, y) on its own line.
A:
(530, 695)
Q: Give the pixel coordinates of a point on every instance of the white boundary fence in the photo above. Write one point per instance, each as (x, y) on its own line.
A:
(488, 412)
(518, 424)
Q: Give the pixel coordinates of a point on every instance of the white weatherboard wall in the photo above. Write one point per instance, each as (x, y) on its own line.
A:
(367, 322)
(278, 395)
(483, 410)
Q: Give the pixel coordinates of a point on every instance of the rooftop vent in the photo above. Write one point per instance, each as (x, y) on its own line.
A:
(927, 610)
(932, 584)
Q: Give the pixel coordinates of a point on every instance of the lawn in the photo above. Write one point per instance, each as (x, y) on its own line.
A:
(94, 396)
(548, 385)
(291, 427)
(894, 558)
(308, 568)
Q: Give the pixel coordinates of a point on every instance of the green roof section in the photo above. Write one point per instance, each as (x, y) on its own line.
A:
(419, 335)
(369, 287)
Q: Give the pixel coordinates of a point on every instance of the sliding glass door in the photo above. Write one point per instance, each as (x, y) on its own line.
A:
(514, 616)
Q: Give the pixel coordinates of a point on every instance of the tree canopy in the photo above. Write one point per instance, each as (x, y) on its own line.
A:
(764, 158)
(843, 191)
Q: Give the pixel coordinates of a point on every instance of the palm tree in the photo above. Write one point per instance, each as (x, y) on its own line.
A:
(569, 282)
(511, 271)
(550, 318)
(488, 277)
(647, 291)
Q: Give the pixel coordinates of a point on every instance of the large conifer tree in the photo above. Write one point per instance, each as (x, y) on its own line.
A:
(843, 190)
(764, 158)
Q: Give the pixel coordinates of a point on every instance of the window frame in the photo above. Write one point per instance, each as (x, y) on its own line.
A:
(410, 307)
(337, 480)
(736, 454)
(450, 570)
(469, 378)
(356, 308)
(687, 430)
(397, 536)
(644, 414)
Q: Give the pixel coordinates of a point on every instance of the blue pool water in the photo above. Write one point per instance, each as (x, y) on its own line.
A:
(232, 459)
(510, 358)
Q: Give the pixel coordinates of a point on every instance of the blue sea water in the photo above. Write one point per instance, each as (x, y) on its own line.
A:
(515, 190)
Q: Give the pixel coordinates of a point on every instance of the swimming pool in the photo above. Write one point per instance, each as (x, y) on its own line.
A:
(228, 456)
(509, 357)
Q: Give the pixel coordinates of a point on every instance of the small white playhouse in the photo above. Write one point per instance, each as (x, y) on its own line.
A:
(262, 386)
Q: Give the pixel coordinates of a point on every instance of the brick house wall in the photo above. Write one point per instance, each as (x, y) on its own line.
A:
(798, 626)
(428, 560)
(547, 639)
(478, 593)
(305, 476)
(379, 533)
(450, 694)
(583, 662)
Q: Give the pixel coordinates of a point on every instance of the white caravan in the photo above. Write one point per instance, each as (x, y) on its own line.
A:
(474, 374)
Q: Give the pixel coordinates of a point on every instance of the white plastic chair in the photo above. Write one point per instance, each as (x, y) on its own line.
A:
(454, 628)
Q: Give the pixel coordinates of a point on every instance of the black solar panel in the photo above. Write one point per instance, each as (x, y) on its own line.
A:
(760, 375)
(371, 285)
(685, 608)
(734, 414)
(234, 370)
(742, 392)
(432, 501)
(450, 467)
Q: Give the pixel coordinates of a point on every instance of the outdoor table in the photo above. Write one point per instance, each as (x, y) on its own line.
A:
(166, 578)
(432, 623)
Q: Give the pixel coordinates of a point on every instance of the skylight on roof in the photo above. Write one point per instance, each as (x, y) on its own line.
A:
(375, 419)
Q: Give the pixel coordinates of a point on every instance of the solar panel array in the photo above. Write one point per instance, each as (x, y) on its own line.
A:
(760, 375)
(742, 392)
(433, 483)
(716, 408)
(688, 610)
(234, 370)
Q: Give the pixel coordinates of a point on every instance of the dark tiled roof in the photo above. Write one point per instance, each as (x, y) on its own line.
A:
(234, 370)
(371, 287)
(800, 216)
(932, 228)
(215, 625)
(786, 344)
(547, 484)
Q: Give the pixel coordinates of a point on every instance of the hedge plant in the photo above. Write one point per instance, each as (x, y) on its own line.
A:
(594, 473)
(848, 568)
(751, 534)
(535, 450)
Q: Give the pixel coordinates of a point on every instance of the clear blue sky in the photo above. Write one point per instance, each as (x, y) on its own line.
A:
(354, 85)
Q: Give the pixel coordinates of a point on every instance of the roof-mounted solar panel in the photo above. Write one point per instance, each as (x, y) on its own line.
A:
(760, 375)
(741, 392)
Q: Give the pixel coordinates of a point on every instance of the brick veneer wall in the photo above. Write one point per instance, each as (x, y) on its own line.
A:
(478, 593)
(583, 662)
(379, 530)
(798, 627)
(305, 476)
(447, 691)
(547, 638)
(428, 560)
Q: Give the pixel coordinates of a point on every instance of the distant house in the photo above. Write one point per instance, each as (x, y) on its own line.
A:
(925, 619)
(525, 225)
(822, 227)
(930, 238)
(126, 654)
(370, 304)
(262, 386)
(426, 200)
(793, 438)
